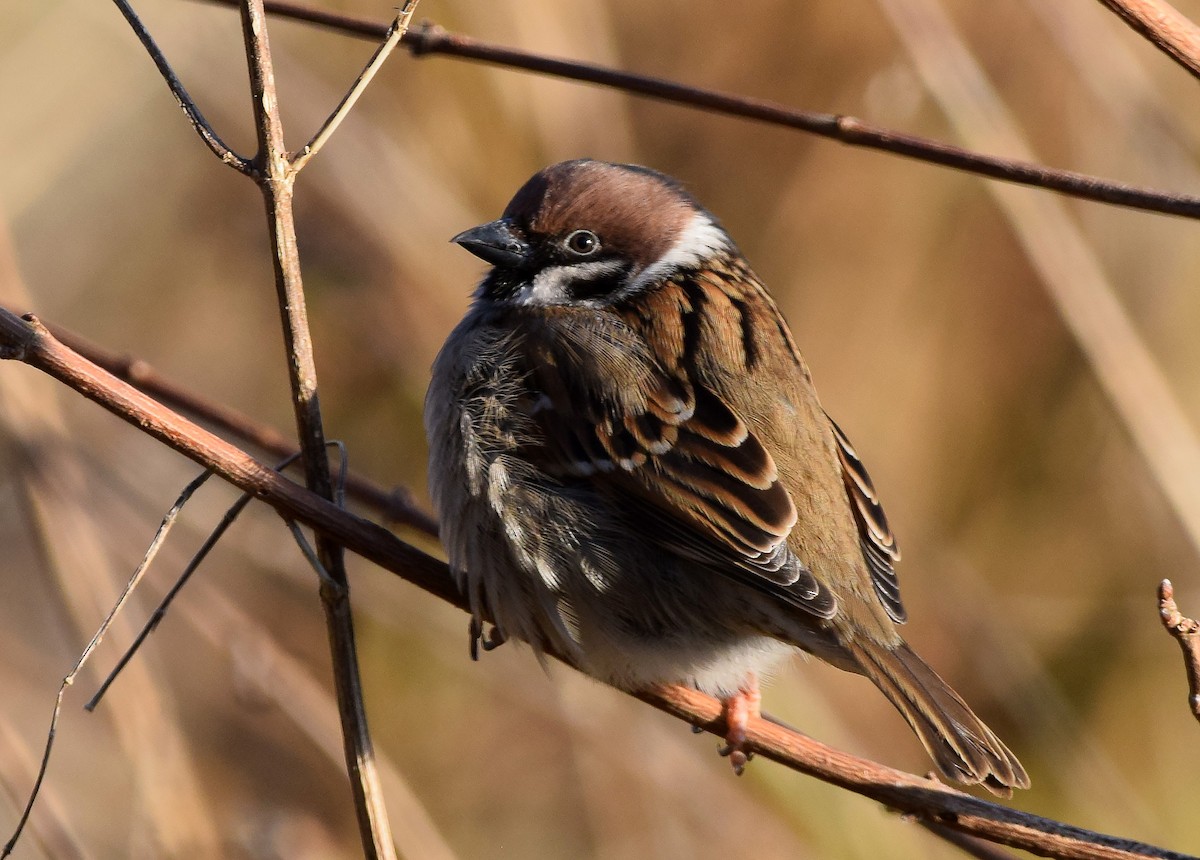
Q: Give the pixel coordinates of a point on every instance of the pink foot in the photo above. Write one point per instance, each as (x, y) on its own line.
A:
(738, 710)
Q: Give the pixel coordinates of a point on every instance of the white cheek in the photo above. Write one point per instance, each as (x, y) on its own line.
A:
(700, 240)
(551, 286)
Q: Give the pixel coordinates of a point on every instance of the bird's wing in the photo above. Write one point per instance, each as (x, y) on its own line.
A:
(878, 543)
(672, 453)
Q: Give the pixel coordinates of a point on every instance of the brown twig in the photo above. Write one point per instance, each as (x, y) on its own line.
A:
(395, 505)
(391, 39)
(1186, 632)
(430, 39)
(29, 341)
(274, 171)
(210, 137)
(275, 175)
(1163, 24)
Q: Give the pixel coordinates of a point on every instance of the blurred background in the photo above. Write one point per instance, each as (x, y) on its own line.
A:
(1034, 534)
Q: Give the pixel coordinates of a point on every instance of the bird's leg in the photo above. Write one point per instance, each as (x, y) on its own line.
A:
(737, 710)
(489, 641)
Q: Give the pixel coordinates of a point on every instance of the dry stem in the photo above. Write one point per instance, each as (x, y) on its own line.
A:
(1162, 24)
(1186, 632)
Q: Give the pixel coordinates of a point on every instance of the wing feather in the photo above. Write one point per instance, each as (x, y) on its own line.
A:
(677, 456)
(875, 535)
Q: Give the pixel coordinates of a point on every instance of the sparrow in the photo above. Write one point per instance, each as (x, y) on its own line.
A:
(632, 469)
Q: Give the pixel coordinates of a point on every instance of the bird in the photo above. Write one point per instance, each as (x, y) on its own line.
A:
(632, 470)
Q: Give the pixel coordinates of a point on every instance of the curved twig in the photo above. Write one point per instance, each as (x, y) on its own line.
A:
(209, 135)
(1185, 631)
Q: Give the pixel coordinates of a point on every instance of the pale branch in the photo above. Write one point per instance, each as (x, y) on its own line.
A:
(1169, 30)
(275, 177)
(430, 39)
(391, 39)
(27, 340)
(1185, 631)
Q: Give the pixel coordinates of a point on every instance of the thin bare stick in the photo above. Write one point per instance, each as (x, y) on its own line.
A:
(276, 176)
(28, 341)
(395, 505)
(160, 611)
(390, 40)
(151, 551)
(1169, 30)
(309, 553)
(1186, 631)
(430, 39)
(210, 137)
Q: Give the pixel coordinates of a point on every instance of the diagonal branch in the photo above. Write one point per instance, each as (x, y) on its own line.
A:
(390, 40)
(1163, 24)
(430, 39)
(27, 340)
(210, 137)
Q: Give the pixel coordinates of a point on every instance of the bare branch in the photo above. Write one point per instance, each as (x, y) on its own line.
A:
(160, 611)
(29, 341)
(276, 176)
(1186, 632)
(1161, 23)
(210, 137)
(390, 40)
(431, 39)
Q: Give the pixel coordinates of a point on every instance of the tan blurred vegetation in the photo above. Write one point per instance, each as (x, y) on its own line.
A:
(1033, 535)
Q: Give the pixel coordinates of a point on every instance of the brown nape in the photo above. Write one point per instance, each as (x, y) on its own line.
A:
(637, 213)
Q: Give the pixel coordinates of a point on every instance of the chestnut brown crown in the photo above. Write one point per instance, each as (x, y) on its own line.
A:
(590, 232)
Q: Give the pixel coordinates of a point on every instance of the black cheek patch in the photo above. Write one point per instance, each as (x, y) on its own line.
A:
(598, 286)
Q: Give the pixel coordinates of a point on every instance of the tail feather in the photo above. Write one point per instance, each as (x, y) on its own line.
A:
(962, 747)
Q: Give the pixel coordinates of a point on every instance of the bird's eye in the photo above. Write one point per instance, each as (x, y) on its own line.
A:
(583, 242)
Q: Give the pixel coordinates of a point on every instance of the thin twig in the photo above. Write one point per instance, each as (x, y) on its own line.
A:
(210, 137)
(1186, 631)
(276, 176)
(1160, 22)
(29, 341)
(395, 505)
(160, 611)
(430, 39)
(151, 551)
(310, 554)
(390, 40)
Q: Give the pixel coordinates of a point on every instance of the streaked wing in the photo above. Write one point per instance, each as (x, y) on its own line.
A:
(680, 460)
(878, 543)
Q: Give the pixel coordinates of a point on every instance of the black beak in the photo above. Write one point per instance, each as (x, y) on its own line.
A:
(496, 243)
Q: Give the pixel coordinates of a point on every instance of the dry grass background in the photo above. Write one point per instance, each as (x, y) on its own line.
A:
(1033, 535)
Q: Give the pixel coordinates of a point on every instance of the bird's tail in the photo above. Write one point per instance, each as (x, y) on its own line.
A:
(963, 748)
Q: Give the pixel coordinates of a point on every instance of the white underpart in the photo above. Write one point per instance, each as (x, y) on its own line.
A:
(698, 241)
(550, 285)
